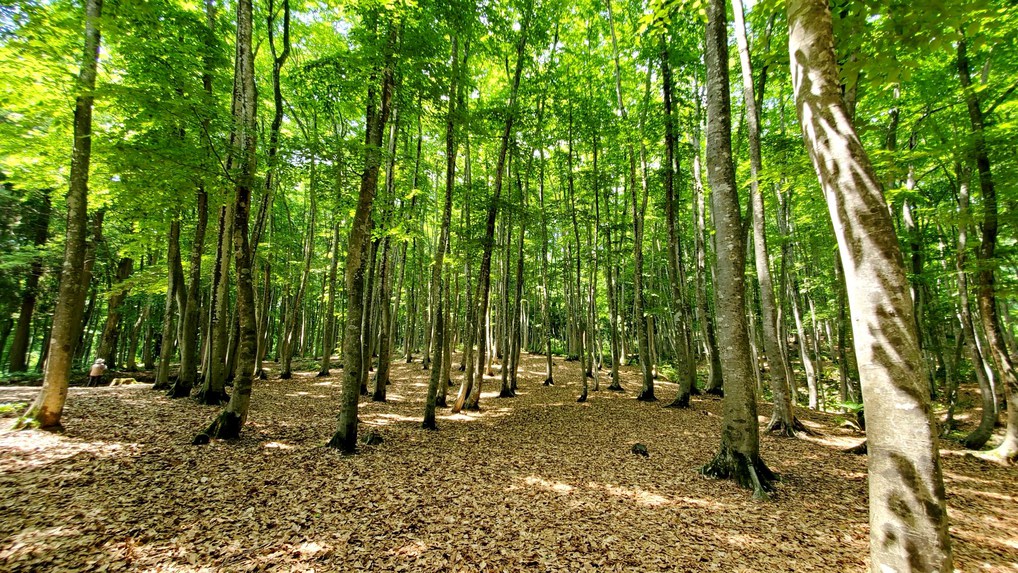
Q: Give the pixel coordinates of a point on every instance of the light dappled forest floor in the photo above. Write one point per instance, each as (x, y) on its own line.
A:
(538, 483)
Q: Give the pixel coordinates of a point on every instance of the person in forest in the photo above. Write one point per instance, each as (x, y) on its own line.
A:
(95, 375)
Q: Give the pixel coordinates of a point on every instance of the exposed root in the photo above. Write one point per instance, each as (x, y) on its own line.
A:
(647, 395)
(778, 427)
(616, 387)
(582, 398)
(859, 450)
(749, 472)
(680, 401)
(226, 426)
(178, 390)
(507, 393)
(211, 397)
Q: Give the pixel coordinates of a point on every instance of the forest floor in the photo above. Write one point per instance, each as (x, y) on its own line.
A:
(538, 482)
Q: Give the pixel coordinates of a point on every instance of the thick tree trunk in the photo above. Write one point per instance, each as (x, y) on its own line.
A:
(715, 384)
(213, 388)
(908, 521)
(739, 455)
(48, 407)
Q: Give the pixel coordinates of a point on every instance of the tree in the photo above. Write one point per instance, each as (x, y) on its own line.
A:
(908, 521)
(739, 455)
(47, 408)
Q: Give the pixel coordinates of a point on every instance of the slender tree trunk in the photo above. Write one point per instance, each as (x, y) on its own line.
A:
(783, 418)
(231, 420)
(739, 455)
(173, 283)
(908, 521)
(46, 410)
(986, 294)
(685, 365)
(345, 438)
(18, 356)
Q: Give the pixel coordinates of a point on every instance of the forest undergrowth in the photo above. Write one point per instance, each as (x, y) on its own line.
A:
(537, 482)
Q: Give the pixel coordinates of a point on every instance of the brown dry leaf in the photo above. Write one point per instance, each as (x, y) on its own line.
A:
(537, 483)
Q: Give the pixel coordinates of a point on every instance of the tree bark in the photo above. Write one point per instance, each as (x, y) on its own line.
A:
(908, 521)
(46, 410)
(739, 455)
(39, 223)
(231, 420)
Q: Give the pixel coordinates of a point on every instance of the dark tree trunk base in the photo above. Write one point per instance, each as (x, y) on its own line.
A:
(749, 473)
(719, 392)
(211, 398)
(507, 393)
(338, 443)
(440, 402)
(178, 390)
(549, 381)
(262, 375)
(429, 425)
(322, 374)
(860, 450)
(286, 375)
(582, 398)
(589, 373)
(779, 428)
(226, 426)
(680, 401)
(977, 439)
(378, 397)
(694, 391)
(472, 407)
(646, 396)
(616, 388)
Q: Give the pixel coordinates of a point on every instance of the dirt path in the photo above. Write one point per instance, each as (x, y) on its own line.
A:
(536, 483)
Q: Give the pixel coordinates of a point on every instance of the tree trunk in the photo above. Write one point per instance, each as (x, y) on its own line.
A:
(987, 295)
(783, 419)
(908, 521)
(39, 222)
(46, 410)
(111, 330)
(188, 375)
(231, 420)
(173, 283)
(345, 438)
(739, 455)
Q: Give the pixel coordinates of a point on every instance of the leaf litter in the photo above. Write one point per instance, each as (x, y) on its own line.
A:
(538, 482)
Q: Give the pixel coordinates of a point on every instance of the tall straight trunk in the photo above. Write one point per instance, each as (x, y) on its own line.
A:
(39, 223)
(385, 321)
(803, 343)
(578, 312)
(988, 416)
(289, 328)
(111, 330)
(367, 324)
(471, 400)
(739, 455)
(231, 420)
(213, 388)
(172, 285)
(647, 390)
(328, 338)
(549, 378)
(987, 292)
(46, 410)
(715, 384)
(685, 365)
(263, 334)
(188, 376)
(345, 438)
(131, 357)
(908, 521)
(783, 418)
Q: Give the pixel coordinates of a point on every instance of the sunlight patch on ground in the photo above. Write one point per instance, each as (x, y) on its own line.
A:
(555, 486)
(26, 449)
(322, 384)
(477, 416)
(414, 549)
(278, 446)
(640, 496)
(387, 419)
